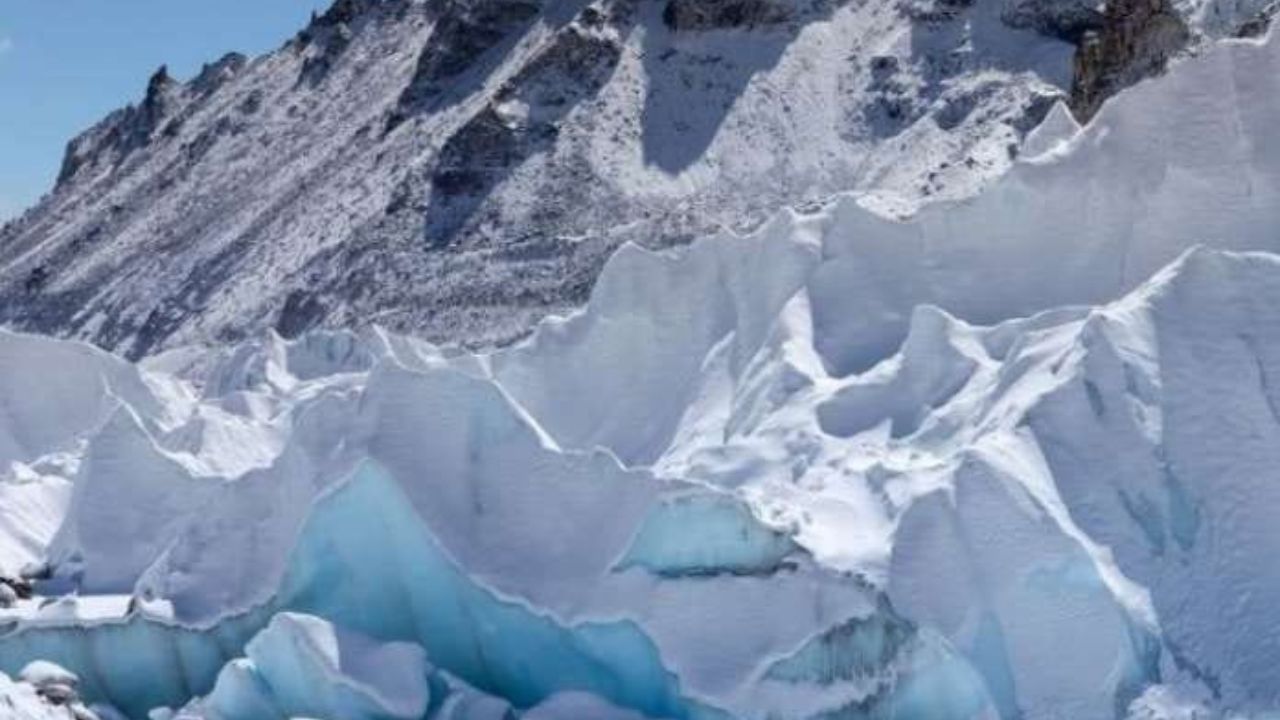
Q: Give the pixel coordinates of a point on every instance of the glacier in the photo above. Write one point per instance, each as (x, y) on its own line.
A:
(306, 666)
(1009, 458)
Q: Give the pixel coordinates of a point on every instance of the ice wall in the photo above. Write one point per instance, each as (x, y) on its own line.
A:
(988, 462)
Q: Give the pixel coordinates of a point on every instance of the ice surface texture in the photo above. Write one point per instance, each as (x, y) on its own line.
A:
(1015, 458)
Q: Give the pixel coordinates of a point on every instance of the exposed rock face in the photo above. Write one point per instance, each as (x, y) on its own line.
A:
(1258, 25)
(1131, 40)
(1069, 20)
(467, 30)
(522, 120)
(1137, 39)
(461, 169)
(692, 15)
(113, 140)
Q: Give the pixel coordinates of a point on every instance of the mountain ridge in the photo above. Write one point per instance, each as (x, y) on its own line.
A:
(461, 169)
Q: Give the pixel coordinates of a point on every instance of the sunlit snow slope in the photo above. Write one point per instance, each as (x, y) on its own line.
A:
(1014, 458)
(462, 168)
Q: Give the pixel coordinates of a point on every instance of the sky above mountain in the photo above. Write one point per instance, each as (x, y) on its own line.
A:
(65, 64)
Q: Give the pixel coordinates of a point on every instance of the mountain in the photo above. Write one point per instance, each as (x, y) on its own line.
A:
(1013, 457)
(461, 168)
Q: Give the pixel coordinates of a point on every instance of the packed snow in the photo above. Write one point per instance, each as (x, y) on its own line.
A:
(1012, 458)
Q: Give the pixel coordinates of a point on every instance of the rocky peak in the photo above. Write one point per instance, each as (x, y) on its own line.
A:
(214, 75)
(347, 12)
(122, 133)
(328, 35)
(161, 89)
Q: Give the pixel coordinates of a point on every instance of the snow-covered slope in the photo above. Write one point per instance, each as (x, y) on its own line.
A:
(461, 168)
(1012, 458)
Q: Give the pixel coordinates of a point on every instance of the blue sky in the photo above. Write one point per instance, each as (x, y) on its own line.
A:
(66, 63)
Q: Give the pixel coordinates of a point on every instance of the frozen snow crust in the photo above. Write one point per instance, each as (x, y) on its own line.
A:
(1017, 458)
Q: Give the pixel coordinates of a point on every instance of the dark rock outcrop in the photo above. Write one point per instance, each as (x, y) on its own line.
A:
(465, 31)
(125, 131)
(1136, 41)
(695, 15)
(1258, 25)
(1068, 20)
(475, 159)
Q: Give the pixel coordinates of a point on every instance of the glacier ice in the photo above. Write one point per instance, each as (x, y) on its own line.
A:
(573, 706)
(1010, 459)
(706, 534)
(300, 665)
(45, 691)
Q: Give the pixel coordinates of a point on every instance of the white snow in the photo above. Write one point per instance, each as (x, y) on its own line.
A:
(1016, 457)
(41, 673)
(20, 702)
(1052, 136)
(302, 666)
(45, 691)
